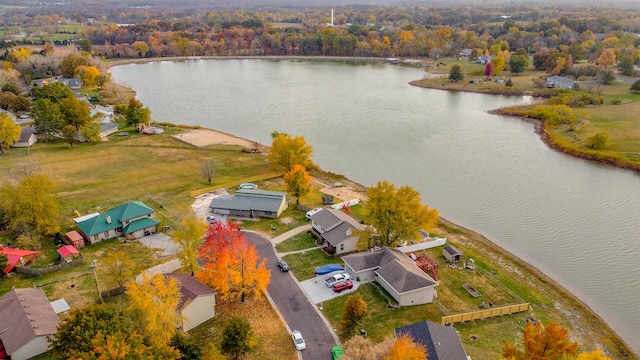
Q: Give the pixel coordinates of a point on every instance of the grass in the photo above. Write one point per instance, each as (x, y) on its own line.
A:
(271, 335)
(303, 265)
(298, 242)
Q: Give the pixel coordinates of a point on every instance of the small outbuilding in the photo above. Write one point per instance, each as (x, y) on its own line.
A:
(197, 301)
(27, 137)
(75, 239)
(452, 254)
(68, 252)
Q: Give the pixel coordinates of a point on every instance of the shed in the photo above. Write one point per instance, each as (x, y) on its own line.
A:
(27, 137)
(67, 252)
(197, 301)
(18, 257)
(75, 239)
(452, 254)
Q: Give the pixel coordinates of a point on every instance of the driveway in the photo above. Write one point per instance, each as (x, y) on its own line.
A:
(319, 292)
(295, 308)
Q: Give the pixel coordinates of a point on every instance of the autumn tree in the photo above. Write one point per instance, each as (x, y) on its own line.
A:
(89, 75)
(91, 132)
(69, 64)
(237, 337)
(498, 65)
(54, 91)
(488, 69)
(69, 133)
(119, 267)
(355, 309)
(141, 48)
(154, 305)
(456, 73)
(75, 112)
(394, 214)
(607, 58)
(541, 342)
(47, 117)
(599, 141)
(135, 113)
(404, 348)
(4, 263)
(31, 206)
(208, 168)
(103, 332)
(362, 348)
(593, 355)
(188, 347)
(287, 152)
(298, 182)
(635, 87)
(231, 264)
(188, 236)
(9, 131)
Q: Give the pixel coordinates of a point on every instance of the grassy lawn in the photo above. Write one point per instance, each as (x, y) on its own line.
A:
(303, 265)
(271, 334)
(298, 242)
(289, 219)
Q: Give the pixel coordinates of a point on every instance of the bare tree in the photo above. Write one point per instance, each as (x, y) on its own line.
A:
(208, 168)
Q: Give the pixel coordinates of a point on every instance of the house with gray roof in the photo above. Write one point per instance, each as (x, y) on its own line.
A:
(107, 129)
(335, 228)
(249, 203)
(27, 320)
(133, 220)
(197, 301)
(28, 137)
(396, 272)
(560, 82)
(441, 342)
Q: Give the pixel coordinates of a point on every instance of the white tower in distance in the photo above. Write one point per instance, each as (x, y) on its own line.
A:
(331, 23)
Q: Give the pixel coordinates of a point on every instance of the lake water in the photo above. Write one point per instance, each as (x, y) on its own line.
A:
(575, 220)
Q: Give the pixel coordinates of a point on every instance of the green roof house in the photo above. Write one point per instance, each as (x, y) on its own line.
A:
(133, 220)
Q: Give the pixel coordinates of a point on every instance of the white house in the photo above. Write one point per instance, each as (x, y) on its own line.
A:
(197, 301)
(27, 319)
(336, 229)
(560, 82)
(27, 137)
(396, 272)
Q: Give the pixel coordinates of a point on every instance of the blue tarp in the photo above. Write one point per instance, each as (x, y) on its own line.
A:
(327, 269)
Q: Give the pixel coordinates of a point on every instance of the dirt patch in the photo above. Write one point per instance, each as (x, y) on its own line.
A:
(207, 137)
(344, 193)
(286, 220)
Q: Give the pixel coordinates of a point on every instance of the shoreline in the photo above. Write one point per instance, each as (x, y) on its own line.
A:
(563, 295)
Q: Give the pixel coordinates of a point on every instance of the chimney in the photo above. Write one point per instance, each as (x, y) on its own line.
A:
(108, 219)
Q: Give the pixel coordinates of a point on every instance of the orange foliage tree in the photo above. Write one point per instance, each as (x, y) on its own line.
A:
(231, 264)
(404, 348)
(541, 343)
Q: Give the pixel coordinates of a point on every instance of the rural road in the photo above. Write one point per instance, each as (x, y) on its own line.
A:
(294, 306)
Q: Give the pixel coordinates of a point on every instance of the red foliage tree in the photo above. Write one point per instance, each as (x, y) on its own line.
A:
(488, 69)
(231, 264)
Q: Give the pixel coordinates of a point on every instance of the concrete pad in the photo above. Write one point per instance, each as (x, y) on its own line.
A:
(160, 241)
(164, 268)
(319, 292)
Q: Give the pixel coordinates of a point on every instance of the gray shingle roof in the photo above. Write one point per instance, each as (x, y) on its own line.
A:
(441, 342)
(25, 313)
(452, 250)
(245, 200)
(190, 288)
(336, 224)
(396, 268)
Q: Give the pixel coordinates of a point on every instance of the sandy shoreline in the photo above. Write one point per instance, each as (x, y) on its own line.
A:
(207, 137)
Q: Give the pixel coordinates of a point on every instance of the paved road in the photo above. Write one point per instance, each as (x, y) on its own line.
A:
(296, 309)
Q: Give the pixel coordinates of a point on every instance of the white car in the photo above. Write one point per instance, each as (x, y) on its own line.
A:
(335, 278)
(210, 218)
(298, 340)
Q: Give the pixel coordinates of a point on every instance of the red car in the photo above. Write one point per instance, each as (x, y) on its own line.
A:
(342, 285)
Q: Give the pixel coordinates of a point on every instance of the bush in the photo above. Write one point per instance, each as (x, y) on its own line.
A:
(616, 101)
(509, 83)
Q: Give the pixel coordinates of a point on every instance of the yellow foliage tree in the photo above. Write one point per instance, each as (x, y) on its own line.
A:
(594, 355)
(498, 64)
(404, 348)
(119, 267)
(298, 182)
(560, 63)
(288, 151)
(154, 305)
(19, 55)
(188, 236)
(9, 131)
(541, 342)
(88, 74)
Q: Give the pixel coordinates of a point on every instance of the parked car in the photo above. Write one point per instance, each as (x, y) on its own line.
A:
(342, 285)
(283, 265)
(311, 212)
(298, 340)
(337, 277)
(336, 352)
(210, 218)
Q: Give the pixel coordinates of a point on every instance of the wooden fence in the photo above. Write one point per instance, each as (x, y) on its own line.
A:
(486, 313)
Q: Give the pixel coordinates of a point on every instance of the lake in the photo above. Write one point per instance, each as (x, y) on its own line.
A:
(576, 221)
